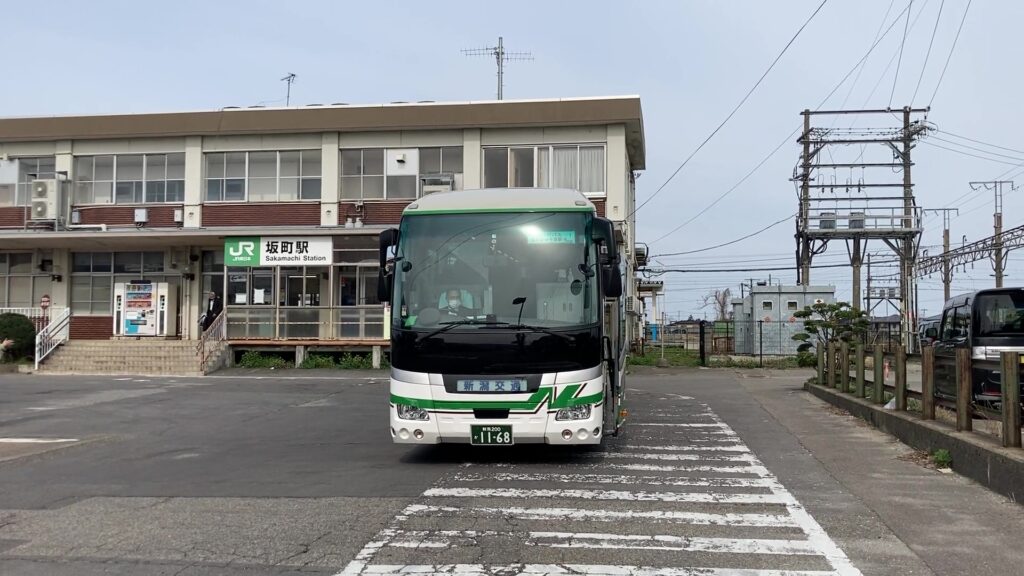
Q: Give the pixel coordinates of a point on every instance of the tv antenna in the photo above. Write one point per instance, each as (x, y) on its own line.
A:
(290, 79)
(500, 57)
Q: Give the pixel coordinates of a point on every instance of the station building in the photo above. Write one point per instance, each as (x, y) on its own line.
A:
(276, 210)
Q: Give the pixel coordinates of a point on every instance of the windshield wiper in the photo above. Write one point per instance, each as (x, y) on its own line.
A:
(532, 328)
(446, 326)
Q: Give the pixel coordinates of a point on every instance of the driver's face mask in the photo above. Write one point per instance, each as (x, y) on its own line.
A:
(454, 302)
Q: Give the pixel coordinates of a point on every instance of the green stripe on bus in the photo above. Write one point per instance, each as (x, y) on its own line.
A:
(564, 400)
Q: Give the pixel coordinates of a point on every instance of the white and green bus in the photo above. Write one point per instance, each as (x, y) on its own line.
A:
(507, 319)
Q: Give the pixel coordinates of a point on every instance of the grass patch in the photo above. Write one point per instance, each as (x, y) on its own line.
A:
(346, 361)
(253, 359)
(676, 357)
(942, 458)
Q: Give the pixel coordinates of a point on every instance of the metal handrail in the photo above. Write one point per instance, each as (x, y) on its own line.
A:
(52, 335)
(214, 334)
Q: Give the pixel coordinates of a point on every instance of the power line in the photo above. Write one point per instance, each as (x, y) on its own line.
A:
(863, 63)
(969, 154)
(951, 50)
(947, 132)
(794, 132)
(928, 53)
(752, 234)
(734, 110)
(900, 61)
(975, 148)
(661, 271)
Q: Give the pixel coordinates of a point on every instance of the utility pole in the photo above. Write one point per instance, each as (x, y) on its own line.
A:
(998, 257)
(500, 57)
(804, 246)
(947, 274)
(290, 79)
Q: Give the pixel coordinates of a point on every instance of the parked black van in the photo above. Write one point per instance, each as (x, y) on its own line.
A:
(986, 322)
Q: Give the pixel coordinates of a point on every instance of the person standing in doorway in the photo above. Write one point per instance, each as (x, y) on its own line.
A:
(213, 309)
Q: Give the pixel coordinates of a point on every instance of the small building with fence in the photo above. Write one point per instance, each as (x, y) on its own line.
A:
(764, 321)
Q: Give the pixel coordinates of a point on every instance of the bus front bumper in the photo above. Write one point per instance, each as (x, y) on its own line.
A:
(540, 428)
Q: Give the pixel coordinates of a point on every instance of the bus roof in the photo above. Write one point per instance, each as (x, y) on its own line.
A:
(501, 200)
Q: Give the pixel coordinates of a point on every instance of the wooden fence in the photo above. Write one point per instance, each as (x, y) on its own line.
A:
(836, 361)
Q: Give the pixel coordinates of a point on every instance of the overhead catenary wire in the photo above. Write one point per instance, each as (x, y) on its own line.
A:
(733, 112)
(799, 126)
(929, 52)
(906, 25)
(950, 56)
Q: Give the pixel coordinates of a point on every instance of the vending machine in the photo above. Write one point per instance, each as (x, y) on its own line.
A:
(145, 308)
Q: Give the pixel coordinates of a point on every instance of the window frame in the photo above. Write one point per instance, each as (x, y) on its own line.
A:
(792, 305)
(770, 306)
(443, 151)
(112, 276)
(549, 150)
(139, 187)
(300, 179)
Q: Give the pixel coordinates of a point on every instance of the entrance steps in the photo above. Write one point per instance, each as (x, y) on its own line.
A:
(133, 357)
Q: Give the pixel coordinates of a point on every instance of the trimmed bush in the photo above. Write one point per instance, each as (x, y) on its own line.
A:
(318, 361)
(22, 331)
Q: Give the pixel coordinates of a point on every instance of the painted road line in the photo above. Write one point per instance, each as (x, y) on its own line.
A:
(717, 424)
(680, 448)
(674, 543)
(621, 495)
(738, 469)
(36, 440)
(419, 539)
(678, 457)
(656, 516)
(574, 570)
(619, 479)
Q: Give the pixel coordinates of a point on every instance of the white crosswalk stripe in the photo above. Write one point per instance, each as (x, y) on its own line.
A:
(679, 495)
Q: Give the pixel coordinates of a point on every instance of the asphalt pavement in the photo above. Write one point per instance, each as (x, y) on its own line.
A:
(718, 472)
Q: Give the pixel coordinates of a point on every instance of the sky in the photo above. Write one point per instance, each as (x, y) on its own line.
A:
(691, 62)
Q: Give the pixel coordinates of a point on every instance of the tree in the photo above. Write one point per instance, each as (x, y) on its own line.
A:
(825, 322)
(17, 336)
(720, 299)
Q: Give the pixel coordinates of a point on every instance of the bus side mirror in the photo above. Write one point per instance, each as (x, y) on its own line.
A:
(385, 274)
(608, 257)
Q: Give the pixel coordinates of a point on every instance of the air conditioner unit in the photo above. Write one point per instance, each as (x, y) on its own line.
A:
(827, 221)
(44, 199)
(430, 183)
(630, 305)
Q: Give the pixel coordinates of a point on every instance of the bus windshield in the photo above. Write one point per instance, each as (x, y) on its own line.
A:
(1000, 313)
(465, 271)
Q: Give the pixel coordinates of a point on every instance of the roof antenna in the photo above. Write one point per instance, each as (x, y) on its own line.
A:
(290, 79)
(500, 56)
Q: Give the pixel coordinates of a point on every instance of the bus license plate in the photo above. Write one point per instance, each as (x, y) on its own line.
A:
(500, 435)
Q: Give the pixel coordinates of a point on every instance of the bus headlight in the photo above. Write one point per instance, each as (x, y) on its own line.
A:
(407, 412)
(581, 412)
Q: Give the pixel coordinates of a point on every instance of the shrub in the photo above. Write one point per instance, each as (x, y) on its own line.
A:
(253, 359)
(942, 458)
(805, 359)
(318, 361)
(356, 362)
(22, 331)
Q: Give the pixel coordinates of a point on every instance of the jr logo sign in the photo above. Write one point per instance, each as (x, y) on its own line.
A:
(242, 252)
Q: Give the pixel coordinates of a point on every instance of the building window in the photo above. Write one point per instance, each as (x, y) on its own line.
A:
(17, 175)
(93, 275)
(766, 305)
(378, 174)
(792, 305)
(130, 179)
(273, 176)
(21, 283)
(577, 167)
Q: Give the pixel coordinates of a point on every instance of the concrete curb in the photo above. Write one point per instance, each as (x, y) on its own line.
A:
(981, 459)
